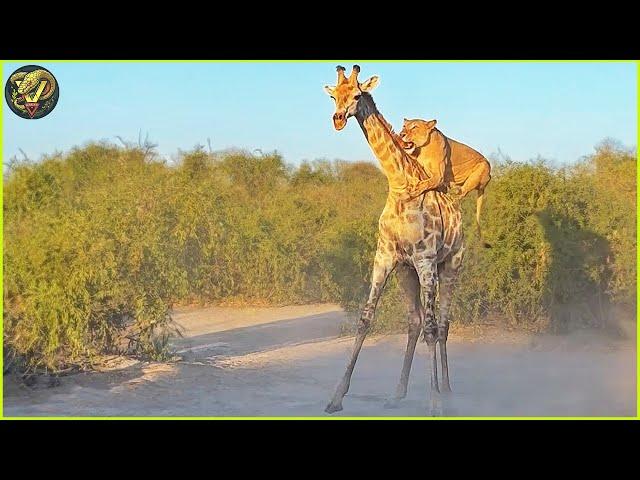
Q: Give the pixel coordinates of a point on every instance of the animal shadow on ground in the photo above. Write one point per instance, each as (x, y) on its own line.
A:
(577, 267)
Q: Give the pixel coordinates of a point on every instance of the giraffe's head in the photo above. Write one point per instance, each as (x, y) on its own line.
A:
(347, 93)
(416, 133)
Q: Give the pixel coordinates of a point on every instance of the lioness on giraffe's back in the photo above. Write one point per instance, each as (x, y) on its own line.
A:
(448, 161)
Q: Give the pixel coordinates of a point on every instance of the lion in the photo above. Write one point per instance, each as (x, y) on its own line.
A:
(449, 163)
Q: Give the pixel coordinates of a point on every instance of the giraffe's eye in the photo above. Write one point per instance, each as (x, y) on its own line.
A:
(357, 97)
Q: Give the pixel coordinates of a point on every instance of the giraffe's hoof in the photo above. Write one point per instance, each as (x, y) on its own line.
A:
(401, 393)
(436, 407)
(332, 408)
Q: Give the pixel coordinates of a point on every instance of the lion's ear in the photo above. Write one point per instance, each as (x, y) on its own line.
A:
(431, 124)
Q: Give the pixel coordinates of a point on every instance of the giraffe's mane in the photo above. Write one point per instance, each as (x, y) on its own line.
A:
(387, 125)
(409, 163)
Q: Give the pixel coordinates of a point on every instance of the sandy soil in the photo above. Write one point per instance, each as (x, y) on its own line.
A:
(286, 362)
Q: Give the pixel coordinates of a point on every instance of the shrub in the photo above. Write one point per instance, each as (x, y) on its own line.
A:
(100, 243)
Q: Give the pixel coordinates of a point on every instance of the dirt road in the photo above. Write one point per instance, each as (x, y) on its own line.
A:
(286, 361)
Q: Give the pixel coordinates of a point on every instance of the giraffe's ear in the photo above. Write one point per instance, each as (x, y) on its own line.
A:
(329, 90)
(370, 84)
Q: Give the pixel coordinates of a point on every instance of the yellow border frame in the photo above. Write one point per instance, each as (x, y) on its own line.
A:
(636, 417)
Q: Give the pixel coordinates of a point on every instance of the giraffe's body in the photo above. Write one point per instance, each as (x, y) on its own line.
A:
(421, 237)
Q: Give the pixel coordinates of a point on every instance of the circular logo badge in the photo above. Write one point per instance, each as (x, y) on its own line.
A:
(32, 92)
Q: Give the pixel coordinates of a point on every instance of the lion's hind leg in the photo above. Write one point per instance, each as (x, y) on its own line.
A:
(477, 179)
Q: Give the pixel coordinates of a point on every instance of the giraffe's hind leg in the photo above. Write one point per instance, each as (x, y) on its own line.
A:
(382, 267)
(426, 267)
(447, 273)
(410, 288)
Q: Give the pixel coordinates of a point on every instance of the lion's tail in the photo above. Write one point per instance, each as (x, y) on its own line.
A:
(479, 202)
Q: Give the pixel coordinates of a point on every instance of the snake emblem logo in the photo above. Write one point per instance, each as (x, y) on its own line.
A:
(32, 92)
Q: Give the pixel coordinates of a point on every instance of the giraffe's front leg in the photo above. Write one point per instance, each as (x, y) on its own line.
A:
(410, 289)
(382, 267)
(447, 274)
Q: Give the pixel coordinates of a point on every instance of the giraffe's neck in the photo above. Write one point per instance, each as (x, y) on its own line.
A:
(399, 169)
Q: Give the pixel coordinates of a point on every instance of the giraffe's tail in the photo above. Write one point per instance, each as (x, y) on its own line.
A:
(479, 202)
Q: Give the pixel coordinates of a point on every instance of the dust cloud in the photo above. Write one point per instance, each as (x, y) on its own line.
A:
(286, 361)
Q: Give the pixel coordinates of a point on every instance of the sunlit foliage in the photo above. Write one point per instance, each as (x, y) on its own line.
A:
(101, 242)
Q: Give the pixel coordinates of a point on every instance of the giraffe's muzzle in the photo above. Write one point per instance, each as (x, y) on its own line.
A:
(339, 120)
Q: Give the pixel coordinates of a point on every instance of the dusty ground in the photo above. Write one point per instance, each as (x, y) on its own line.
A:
(286, 361)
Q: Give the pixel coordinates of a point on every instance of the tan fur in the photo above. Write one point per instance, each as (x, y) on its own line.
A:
(446, 161)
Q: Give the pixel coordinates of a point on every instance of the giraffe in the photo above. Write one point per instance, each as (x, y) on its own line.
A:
(421, 237)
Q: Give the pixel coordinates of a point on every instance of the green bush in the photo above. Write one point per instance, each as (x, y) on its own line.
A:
(100, 243)
(564, 245)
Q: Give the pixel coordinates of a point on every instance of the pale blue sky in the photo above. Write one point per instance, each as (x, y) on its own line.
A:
(555, 110)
